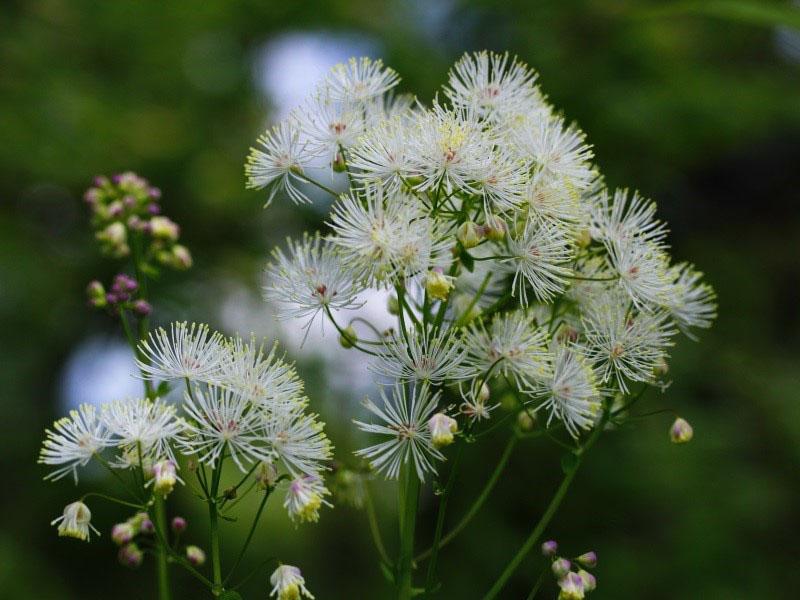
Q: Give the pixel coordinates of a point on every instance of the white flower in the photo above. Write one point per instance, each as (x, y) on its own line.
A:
(642, 268)
(311, 279)
(221, 419)
(187, 352)
(142, 428)
(625, 217)
(75, 522)
(489, 82)
(288, 583)
(573, 395)
(511, 346)
(475, 401)
(691, 302)
(164, 477)
(360, 79)
(299, 440)
(623, 344)
(330, 125)
(502, 180)
(304, 498)
(551, 199)
(426, 356)
(281, 163)
(385, 241)
(540, 253)
(74, 441)
(382, 156)
(263, 378)
(404, 421)
(443, 429)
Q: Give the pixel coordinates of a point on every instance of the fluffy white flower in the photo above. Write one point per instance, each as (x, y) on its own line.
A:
(359, 80)
(642, 268)
(426, 356)
(288, 583)
(625, 216)
(221, 419)
(143, 429)
(541, 253)
(624, 344)
(512, 346)
(548, 199)
(187, 352)
(690, 301)
(75, 522)
(298, 440)
(280, 163)
(382, 156)
(304, 497)
(404, 421)
(73, 441)
(330, 125)
(310, 279)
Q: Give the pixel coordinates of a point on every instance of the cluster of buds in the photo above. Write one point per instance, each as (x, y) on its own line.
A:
(126, 206)
(471, 234)
(124, 535)
(120, 296)
(574, 581)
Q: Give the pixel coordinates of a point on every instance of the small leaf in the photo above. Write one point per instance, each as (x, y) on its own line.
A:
(568, 462)
(162, 389)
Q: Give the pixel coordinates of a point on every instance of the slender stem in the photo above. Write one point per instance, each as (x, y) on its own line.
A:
(549, 513)
(342, 333)
(375, 529)
(479, 501)
(249, 534)
(162, 565)
(538, 585)
(213, 515)
(319, 185)
(111, 499)
(464, 318)
(408, 497)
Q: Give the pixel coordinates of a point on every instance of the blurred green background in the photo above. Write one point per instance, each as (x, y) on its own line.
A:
(699, 112)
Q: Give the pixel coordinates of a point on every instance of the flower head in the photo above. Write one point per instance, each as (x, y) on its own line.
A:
(143, 429)
(360, 79)
(298, 440)
(426, 356)
(540, 255)
(304, 497)
(186, 352)
(73, 441)
(288, 583)
(279, 163)
(75, 522)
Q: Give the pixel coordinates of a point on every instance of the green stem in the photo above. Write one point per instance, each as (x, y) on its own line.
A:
(250, 534)
(111, 499)
(479, 502)
(162, 565)
(213, 516)
(375, 529)
(538, 585)
(408, 497)
(549, 513)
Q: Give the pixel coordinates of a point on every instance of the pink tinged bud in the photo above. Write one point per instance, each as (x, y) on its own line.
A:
(182, 257)
(154, 193)
(129, 201)
(92, 196)
(179, 524)
(164, 477)
(571, 587)
(153, 208)
(549, 548)
(681, 432)
(589, 580)
(147, 526)
(100, 180)
(164, 228)
(130, 556)
(122, 533)
(588, 559)
(142, 308)
(561, 567)
(443, 429)
(195, 555)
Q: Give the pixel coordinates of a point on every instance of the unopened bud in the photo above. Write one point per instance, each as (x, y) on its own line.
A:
(589, 580)
(393, 305)
(438, 285)
(661, 368)
(122, 533)
(231, 493)
(495, 228)
(588, 559)
(178, 524)
(561, 567)
(442, 429)
(164, 228)
(469, 234)
(181, 257)
(195, 555)
(549, 548)
(571, 587)
(348, 338)
(267, 475)
(484, 394)
(164, 477)
(147, 526)
(584, 238)
(526, 420)
(339, 165)
(96, 294)
(130, 556)
(142, 308)
(681, 432)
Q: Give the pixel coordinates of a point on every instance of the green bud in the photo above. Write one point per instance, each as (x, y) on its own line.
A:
(393, 305)
(348, 338)
(469, 234)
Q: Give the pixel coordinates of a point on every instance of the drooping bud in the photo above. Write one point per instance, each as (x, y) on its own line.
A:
(526, 420)
(195, 555)
(75, 522)
(588, 559)
(288, 583)
(589, 580)
(348, 338)
(304, 498)
(267, 475)
(164, 477)
(571, 587)
(495, 228)
(561, 567)
(122, 533)
(469, 234)
(681, 432)
(130, 556)
(178, 524)
(437, 284)
(484, 394)
(393, 305)
(442, 429)
(550, 548)
(164, 228)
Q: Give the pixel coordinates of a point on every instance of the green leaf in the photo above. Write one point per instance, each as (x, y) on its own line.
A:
(230, 595)
(467, 261)
(754, 13)
(162, 389)
(568, 462)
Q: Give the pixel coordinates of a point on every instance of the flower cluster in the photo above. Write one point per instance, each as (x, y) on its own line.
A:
(574, 581)
(514, 266)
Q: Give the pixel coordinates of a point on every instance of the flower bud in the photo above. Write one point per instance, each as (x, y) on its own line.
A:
(348, 338)
(288, 583)
(495, 228)
(681, 432)
(178, 524)
(304, 498)
(114, 234)
(122, 533)
(142, 308)
(571, 587)
(584, 238)
(438, 285)
(164, 228)
(588, 559)
(267, 475)
(147, 527)
(154, 193)
(96, 294)
(549, 548)
(164, 477)
(484, 394)
(526, 420)
(195, 555)
(561, 567)
(181, 257)
(339, 165)
(393, 305)
(661, 368)
(442, 429)
(589, 580)
(130, 556)
(469, 234)
(75, 522)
